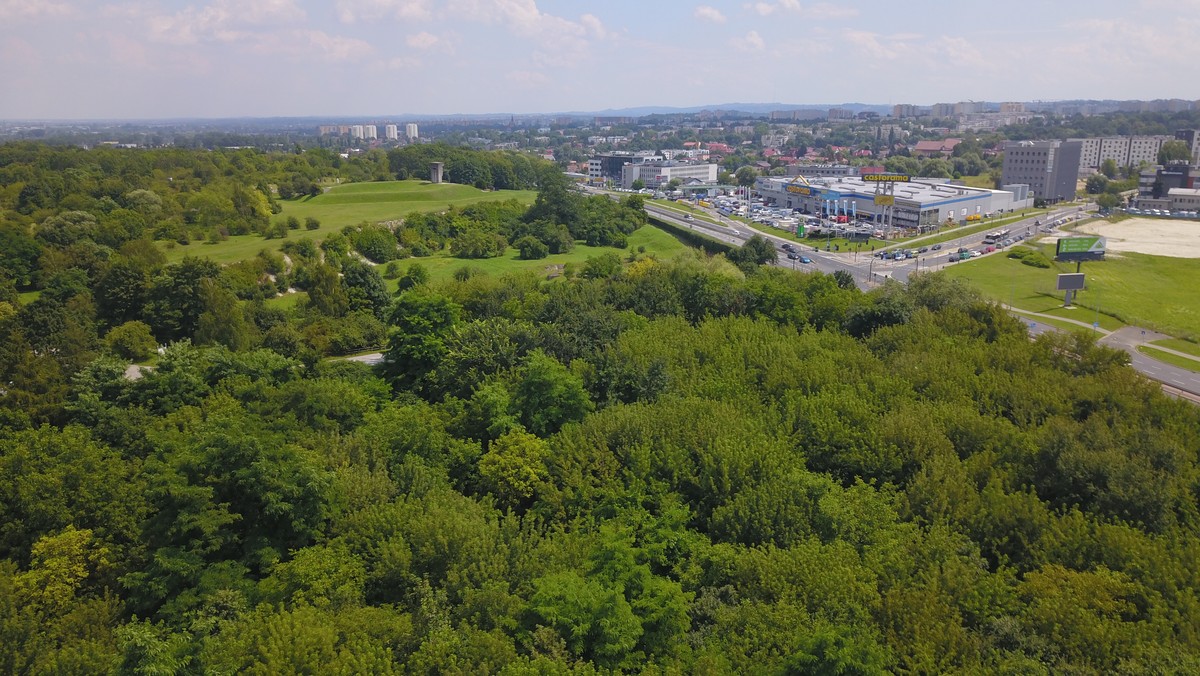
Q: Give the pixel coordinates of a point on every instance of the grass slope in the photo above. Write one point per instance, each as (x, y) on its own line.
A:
(1154, 292)
(348, 204)
(442, 265)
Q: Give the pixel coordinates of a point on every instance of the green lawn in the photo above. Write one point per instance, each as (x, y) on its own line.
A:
(1179, 345)
(1172, 359)
(442, 265)
(348, 204)
(1131, 289)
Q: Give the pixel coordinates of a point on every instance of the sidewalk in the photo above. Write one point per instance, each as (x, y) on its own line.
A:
(1128, 338)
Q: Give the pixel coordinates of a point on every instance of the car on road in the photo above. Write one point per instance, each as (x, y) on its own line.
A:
(805, 259)
(922, 249)
(687, 217)
(936, 247)
(787, 246)
(793, 256)
(976, 254)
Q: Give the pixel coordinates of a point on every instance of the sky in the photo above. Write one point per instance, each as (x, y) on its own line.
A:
(147, 59)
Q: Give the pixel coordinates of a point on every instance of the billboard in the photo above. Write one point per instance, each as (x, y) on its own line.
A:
(885, 200)
(1071, 282)
(886, 178)
(800, 189)
(1089, 248)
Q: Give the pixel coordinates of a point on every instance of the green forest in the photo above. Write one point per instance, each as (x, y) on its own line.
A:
(699, 465)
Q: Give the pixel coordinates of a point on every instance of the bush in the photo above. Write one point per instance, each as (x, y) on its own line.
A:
(1030, 257)
(311, 223)
(531, 248)
(132, 341)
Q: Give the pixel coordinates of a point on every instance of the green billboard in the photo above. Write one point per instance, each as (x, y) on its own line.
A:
(1086, 248)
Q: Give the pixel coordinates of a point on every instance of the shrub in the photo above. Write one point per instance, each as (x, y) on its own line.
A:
(132, 341)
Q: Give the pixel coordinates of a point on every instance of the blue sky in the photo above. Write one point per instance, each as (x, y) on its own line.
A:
(72, 59)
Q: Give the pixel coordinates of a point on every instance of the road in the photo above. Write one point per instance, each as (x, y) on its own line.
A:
(869, 272)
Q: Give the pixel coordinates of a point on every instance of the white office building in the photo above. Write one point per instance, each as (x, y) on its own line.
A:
(658, 174)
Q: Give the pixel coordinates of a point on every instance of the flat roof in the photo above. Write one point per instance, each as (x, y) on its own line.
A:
(922, 191)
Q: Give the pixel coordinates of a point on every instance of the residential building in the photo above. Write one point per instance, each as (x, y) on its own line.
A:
(1049, 168)
(370, 131)
(906, 110)
(410, 131)
(840, 114)
(1192, 138)
(1126, 151)
(1012, 107)
(391, 132)
(356, 131)
(942, 148)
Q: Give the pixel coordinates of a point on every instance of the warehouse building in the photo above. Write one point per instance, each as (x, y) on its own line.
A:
(918, 204)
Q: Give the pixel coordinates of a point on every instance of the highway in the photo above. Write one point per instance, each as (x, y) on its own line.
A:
(869, 272)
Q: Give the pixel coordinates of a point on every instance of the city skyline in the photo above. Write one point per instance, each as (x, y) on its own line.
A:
(75, 59)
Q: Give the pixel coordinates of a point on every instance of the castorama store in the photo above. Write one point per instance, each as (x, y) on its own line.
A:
(917, 203)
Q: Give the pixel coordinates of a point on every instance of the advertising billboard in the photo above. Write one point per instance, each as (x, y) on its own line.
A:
(1071, 282)
(886, 178)
(1088, 248)
(885, 200)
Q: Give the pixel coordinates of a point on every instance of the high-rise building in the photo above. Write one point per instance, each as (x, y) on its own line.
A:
(356, 131)
(391, 132)
(370, 131)
(1049, 168)
(1126, 151)
(1192, 138)
(410, 131)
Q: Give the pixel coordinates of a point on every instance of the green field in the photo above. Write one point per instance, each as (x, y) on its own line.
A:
(1172, 359)
(442, 265)
(1153, 292)
(343, 205)
(1178, 345)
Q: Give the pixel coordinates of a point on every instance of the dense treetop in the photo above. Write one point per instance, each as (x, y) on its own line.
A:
(651, 466)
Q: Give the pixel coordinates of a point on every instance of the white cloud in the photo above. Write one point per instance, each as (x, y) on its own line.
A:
(220, 21)
(818, 10)
(350, 11)
(706, 13)
(750, 42)
(594, 26)
(11, 10)
(422, 40)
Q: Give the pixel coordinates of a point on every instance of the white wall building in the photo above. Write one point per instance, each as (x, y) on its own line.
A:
(391, 132)
(1126, 151)
(657, 174)
(370, 131)
(410, 131)
(356, 131)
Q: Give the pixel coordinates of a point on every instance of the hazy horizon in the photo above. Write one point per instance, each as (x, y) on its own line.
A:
(220, 59)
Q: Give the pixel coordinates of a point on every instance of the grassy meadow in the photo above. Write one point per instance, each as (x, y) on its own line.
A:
(347, 204)
(442, 265)
(1154, 292)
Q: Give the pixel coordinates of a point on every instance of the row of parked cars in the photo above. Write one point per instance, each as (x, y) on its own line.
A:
(1163, 212)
